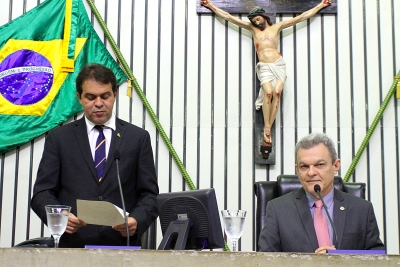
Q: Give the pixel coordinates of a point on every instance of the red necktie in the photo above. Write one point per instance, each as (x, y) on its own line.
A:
(320, 225)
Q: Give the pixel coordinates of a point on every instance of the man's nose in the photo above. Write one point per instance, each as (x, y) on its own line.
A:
(98, 102)
(311, 170)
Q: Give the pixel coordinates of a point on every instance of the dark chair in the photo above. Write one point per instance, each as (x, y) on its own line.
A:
(268, 190)
(40, 242)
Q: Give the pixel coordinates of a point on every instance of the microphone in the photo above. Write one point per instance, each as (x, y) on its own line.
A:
(317, 190)
(116, 158)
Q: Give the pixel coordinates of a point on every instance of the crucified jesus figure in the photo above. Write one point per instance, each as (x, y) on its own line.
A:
(271, 69)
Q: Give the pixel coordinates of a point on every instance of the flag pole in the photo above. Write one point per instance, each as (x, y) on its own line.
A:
(371, 130)
(133, 82)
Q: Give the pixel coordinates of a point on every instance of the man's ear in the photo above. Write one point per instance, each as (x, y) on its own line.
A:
(336, 165)
(78, 95)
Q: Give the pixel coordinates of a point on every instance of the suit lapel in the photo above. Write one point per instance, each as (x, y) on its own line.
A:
(82, 137)
(339, 215)
(116, 138)
(305, 215)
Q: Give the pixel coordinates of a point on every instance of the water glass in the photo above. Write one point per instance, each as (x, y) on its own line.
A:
(57, 220)
(233, 224)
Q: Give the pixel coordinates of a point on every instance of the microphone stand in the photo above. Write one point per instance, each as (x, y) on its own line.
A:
(116, 156)
(317, 190)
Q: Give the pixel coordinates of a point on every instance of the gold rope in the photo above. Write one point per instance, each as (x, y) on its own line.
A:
(129, 91)
(398, 86)
(67, 65)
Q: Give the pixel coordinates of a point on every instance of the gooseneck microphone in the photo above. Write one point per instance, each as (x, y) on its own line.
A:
(116, 158)
(317, 190)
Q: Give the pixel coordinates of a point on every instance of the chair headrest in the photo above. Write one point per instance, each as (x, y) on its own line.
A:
(288, 182)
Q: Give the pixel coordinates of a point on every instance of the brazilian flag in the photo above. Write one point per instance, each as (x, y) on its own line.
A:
(41, 54)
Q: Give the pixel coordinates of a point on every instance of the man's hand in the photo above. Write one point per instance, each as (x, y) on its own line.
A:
(324, 249)
(74, 224)
(132, 224)
(204, 2)
(326, 2)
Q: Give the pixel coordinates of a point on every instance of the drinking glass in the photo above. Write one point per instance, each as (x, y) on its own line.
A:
(57, 220)
(233, 224)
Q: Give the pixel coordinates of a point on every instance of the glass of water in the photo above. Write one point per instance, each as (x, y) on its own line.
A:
(233, 224)
(57, 220)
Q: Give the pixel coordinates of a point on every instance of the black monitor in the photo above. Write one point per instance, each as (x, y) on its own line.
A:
(190, 220)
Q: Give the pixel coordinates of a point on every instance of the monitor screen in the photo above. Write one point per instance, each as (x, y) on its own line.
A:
(192, 213)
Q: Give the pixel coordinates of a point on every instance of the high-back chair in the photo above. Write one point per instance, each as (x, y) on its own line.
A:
(285, 183)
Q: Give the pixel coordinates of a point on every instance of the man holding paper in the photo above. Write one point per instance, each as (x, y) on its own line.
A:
(78, 163)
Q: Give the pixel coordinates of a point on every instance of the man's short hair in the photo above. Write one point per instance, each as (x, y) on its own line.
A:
(315, 139)
(96, 72)
(258, 11)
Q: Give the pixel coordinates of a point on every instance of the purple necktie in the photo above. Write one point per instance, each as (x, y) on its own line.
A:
(320, 225)
(100, 153)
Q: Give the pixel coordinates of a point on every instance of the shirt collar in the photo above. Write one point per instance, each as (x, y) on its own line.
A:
(109, 124)
(328, 198)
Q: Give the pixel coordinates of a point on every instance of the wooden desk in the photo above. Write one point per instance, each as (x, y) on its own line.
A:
(114, 258)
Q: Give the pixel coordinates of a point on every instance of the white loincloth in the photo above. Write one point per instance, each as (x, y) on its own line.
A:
(269, 72)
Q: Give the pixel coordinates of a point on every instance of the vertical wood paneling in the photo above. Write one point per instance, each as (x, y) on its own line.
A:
(22, 185)
(204, 103)
(35, 224)
(138, 55)
(164, 91)
(198, 75)
(344, 85)
(316, 71)
(383, 222)
(289, 90)
(178, 86)
(123, 39)
(8, 199)
(302, 82)
(359, 94)
(388, 136)
(396, 59)
(192, 94)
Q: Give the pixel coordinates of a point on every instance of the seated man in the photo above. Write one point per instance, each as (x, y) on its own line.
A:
(292, 221)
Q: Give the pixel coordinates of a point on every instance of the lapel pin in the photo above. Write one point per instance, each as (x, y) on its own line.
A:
(342, 208)
(118, 135)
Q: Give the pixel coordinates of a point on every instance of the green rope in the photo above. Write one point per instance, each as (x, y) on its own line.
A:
(371, 130)
(139, 91)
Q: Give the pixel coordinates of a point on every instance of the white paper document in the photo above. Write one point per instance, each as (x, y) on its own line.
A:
(99, 212)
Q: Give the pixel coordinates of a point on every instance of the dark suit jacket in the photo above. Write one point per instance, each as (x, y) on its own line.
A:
(67, 173)
(289, 225)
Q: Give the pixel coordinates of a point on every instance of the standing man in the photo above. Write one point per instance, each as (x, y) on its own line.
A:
(295, 222)
(271, 69)
(68, 171)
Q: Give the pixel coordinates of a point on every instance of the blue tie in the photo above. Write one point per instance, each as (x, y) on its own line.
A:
(100, 153)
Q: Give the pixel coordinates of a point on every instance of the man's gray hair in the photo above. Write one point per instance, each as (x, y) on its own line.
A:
(315, 139)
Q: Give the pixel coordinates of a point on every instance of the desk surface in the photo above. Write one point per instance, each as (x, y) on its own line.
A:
(115, 258)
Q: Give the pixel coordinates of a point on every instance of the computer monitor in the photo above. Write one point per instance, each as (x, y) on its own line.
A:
(190, 220)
